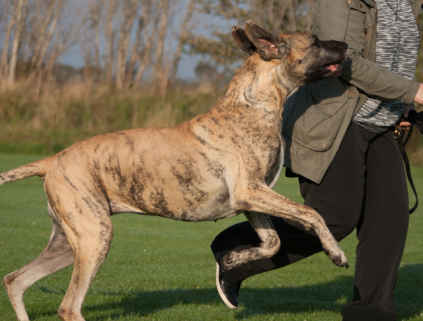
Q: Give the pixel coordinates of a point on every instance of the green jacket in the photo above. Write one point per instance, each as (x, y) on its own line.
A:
(317, 116)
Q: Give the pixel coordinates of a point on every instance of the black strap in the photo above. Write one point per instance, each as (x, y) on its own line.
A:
(399, 136)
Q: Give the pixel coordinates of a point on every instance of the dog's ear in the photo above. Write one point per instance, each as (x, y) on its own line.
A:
(242, 40)
(267, 45)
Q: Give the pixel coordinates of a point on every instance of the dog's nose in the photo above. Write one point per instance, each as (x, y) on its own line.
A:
(343, 45)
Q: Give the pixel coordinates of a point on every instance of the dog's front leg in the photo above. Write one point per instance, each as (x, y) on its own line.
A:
(262, 199)
(269, 246)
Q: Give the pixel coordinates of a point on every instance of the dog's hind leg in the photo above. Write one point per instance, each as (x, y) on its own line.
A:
(57, 255)
(269, 246)
(88, 227)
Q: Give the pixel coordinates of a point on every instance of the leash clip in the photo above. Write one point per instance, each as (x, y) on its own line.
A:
(397, 132)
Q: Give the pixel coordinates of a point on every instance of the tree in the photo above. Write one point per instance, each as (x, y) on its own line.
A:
(35, 35)
(8, 21)
(89, 40)
(21, 12)
(166, 62)
(141, 36)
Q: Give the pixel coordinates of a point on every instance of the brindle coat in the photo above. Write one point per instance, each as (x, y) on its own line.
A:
(212, 167)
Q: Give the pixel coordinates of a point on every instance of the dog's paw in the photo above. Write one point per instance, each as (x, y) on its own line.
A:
(338, 258)
(229, 262)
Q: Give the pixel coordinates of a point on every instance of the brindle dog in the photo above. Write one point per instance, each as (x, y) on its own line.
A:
(212, 167)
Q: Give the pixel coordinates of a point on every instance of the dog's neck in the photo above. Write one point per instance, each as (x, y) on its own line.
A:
(259, 84)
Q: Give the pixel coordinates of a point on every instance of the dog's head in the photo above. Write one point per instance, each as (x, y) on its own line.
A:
(300, 56)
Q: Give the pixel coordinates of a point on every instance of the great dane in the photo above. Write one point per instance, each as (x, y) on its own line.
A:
(214, 166)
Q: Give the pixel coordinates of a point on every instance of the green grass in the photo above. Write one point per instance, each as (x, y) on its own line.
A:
(159, 269)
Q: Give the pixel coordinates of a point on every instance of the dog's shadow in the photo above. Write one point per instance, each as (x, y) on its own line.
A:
(329, 296)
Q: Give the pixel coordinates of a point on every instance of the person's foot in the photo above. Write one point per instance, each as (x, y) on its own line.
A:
(228, 291)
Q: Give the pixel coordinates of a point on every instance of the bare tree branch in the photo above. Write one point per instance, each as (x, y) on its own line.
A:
(21, 11)
(185, 32)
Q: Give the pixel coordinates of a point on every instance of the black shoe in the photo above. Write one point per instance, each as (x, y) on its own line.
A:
(228, 291)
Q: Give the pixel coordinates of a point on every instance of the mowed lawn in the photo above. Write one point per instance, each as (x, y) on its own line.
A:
(159, 269)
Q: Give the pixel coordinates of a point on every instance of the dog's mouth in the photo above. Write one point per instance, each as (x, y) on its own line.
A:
(333, 67)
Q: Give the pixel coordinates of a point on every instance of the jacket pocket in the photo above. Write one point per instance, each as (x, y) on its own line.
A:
(314, 114)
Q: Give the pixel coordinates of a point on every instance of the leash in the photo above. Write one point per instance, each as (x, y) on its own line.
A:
(399, 135)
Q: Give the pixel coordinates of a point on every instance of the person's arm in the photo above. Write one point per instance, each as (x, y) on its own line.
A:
(335, 20)
(377, 81)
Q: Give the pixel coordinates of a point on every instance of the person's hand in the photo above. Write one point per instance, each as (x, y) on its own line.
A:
(419, 95)
(404, 124)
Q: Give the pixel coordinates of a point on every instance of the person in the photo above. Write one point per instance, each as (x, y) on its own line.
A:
(339, 142)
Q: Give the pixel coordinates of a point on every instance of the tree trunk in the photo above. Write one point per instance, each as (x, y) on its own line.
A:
(45, 22)
(142, 33)
(48, 37)
(110, 44)
(161, 81)
(97, 37)
(128, 15)
(4, 55)
(182, 40)
(19, 24)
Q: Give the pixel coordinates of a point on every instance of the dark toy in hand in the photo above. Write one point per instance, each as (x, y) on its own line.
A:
(416, 119)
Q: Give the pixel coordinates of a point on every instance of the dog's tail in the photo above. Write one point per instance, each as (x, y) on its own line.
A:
(38, 168)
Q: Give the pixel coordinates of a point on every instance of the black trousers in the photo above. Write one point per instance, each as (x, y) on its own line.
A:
(364, 188)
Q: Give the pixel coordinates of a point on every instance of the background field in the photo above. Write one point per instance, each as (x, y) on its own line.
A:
(135, 77)
(159, 269)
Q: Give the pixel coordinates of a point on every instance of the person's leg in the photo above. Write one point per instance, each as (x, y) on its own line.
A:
(381, 233)
(338, 198)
